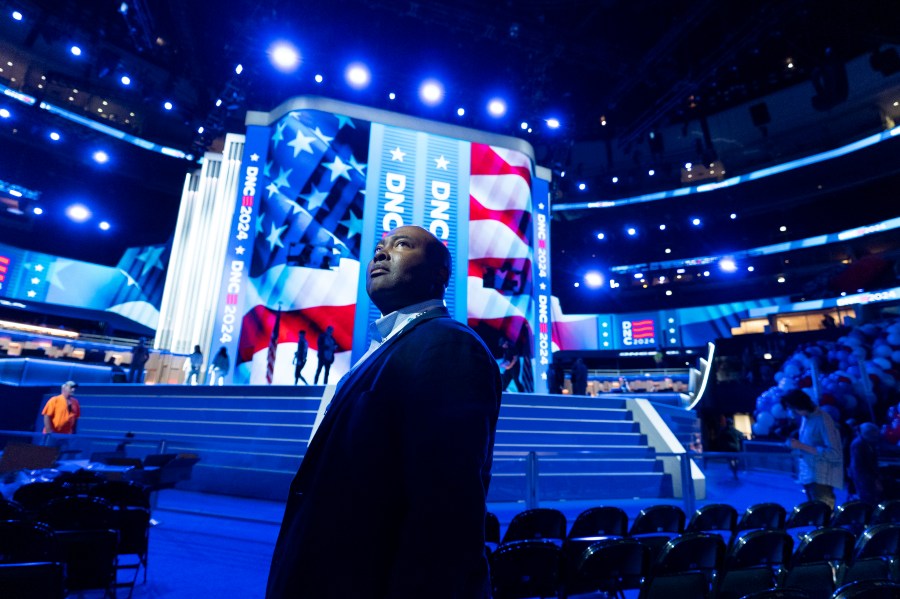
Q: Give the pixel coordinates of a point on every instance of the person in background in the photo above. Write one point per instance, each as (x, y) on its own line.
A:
(623, 385)
(730, 439)
(61, 412)
(139, 357)
(300, 358)
(821, 467)
(326, 346)
(405, 445)
(116, 372)
(220, 367)
(864, 464)
(579, 377)
(196, 363)
(509, 365)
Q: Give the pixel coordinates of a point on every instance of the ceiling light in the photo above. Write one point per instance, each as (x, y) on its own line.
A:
(615, 179)
(167, 105)
(728, 265)
(523, 125)
(78, 212)
(496, 108)
(782, 228)
(553, 123)
(733, 216)
(695, 222)
(319, 78)
(601, 236)
(632, 231)
(593, 279)
(460, 111)
(75, 50)
(582, 186)
(284, 56)
(16, 15)
(662, 227)
(4, 113)
(651, 172)
(104, 226)
(357, 75)
(100, 157)
(54, 136)
(431, 92)
(38, 210)
(125, 79)
(239, 69)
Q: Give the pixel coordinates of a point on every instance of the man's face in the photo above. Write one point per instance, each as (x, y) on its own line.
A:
(67, 391)
(399, 273)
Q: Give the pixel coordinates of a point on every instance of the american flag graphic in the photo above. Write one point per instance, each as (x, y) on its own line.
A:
(500, 299)
(642, 329)
(306, 245)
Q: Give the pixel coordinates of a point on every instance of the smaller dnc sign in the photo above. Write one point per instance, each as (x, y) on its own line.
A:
(638, 332)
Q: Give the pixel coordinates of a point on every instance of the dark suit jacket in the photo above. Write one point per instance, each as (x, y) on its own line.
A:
(389, 501)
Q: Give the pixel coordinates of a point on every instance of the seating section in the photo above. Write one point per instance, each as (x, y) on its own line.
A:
(76, 533)
(766, 552)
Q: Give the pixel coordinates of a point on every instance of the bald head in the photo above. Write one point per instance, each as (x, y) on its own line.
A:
(410, 265)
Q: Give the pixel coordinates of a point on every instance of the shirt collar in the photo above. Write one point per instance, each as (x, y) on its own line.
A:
(390, 324)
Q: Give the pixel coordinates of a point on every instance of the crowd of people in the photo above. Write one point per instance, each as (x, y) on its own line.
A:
(837, 405)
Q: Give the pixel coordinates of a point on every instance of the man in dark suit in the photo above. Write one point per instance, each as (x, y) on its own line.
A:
(389, 501)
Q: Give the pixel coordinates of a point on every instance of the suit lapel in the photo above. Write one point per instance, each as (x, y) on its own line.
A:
(347, 385)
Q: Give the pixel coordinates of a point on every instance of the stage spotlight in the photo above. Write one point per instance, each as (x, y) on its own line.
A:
(4, 113)
(100, 157)
(496, 108)
(200, 129)
(125, 80)
(593, 280)
(319, 78)
(733, 216)
(54, 136)
(662, 227)
(431, 92)
(632, 231)
(781, 279)
(75, 50)
(460, 111)
(750, 269)
(284, 56)
(651, 172)
(17, 16)
(104, 226)
(392, 96)
(239, 69)
(168, 105)
(582, 186)
(577, 284)
(615, 179)
(38, 210)
(78, 212)
(358, 76)
(727, 264)
(524, 125)
(218, 102)
(695, 222)
(553, 123)
(601, 236)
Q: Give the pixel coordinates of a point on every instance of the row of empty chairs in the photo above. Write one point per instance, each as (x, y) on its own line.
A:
(809, 551)
(73, 534)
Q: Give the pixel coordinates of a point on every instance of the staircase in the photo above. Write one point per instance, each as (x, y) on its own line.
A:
(585, 448)
(251, 439)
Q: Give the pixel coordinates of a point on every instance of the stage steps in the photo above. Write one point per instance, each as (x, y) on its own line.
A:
(251, 439)
(585, 448)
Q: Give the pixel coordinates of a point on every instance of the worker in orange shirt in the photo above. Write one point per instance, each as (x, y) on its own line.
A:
(62, 411)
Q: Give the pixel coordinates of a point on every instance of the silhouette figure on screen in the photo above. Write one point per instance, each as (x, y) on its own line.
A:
(406, 442)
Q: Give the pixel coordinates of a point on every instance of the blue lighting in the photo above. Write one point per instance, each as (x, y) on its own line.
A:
(601, 236)
(100, 157)
(17, 16)
(54, 136)
(760, 174)
(523, 125)
(460, 111)
(582, 186)
(632, 231)
(695, 222)
(4, 113)
(104, 226)
(75, 50)
(319, 78)
(727, 264)
(167, 105)
(126, 80)
(553, 123)
(38, 210)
